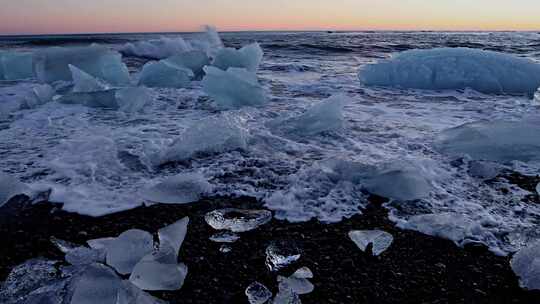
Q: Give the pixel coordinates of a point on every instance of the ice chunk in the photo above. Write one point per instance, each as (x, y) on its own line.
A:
(52, 64)
(85, 256)
(322, 117)
(299, 286)
(97, 284)
(10, 187)
(131, 294)
(286, 296)
(237, 220)
(225, 237)
(215, 43)
(28, 277)
(159, 271)
(126, 99)
(62, 245)
(24, 96)
(281, 254)
(163, 75)
(128, 249)
(484, 170)
(84, 82)
(101, 243)
(497, 140)
(208, 136)
(526, 265)
(156, 48)
(257, 293)
(538, 189)
(400, 180)
(248, 57)
(233, 88)
(15, 65)
(225, 249)
(174, 234)
(380, 240)
(303, 273)
(456, 68)
(179, 189)
(451, 226)
(193, 60)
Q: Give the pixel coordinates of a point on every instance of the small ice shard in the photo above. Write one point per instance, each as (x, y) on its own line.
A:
(496, 140)
(11, 187)
(193, 60)
(163, 75)
(225, 237)
(526, 265)
(456, 68)
(178, 189)
(97, 284)
(28, 277)
(63, 246)
(303, 273)
(225, 249)
(84, 82)
(84, 256)
(128, 249)
(174, 234)
(159, 271)
(257, 293)
(208, 136)
(248, 57)
(322, 117)
(286, 296)
(299, 286)
(233, 88)
(126, 99)
(15, 65)
(281, 254)
(237, 220)
(401, 181)
(101, 243)
(156, 48)
(52, 64)
(380, 240)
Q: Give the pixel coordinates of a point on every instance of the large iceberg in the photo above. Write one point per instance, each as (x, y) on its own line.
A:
(248, 57)
(234, 88)
(455, 68)
(156, 48)
(163, 75)
(208, 136)
(15, 65)
(126, 99)
(193, 60)
(497, 140)
(52, 64)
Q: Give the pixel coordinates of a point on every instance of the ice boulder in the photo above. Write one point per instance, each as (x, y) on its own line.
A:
(163, 75)
(248, 57)
(128, 249)
(526, 265)
(10, 187)
(455, 68)
(125, 99)
(52, 64)
(15, 65)
(322, 117)
(233, 88)
(497, 140)
(208, 136)
(193, 60)
(179, 189)
(156, 48)
(84, 82)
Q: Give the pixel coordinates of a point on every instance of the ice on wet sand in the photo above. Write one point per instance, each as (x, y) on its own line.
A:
(451, 226)
(164, 75)
(380, 240)
(248, 57)
(233, 88)
(174, 234)
(128, 249)
(224, 237)
(10, 187)
(526, 265)
(257, 293)
(178, 189)
(237, 220)
(281, 254)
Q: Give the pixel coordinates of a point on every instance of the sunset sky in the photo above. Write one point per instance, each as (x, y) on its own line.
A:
(85, 16)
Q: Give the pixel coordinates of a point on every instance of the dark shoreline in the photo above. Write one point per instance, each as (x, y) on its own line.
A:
(416, 269)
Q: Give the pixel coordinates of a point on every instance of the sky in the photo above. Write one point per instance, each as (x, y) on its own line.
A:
(98, 16)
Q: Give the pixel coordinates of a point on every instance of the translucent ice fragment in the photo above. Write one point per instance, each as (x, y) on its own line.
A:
(237, 220)
(225, 237)
(179, 189)
(193, 60)
(174, 234)
(303, 273)
(286, 296)
(451, 226)
(225, 249)
(156, 48)
(10, 187)
(97, 284)
(380, 240)
(281, 254)
(526, 265)
(248, 57)
(233, 88)
(257, 293)
(128, 249)
(84, 82)
(101, 243)
(208, 136)
(158, 272)
(15, 65)
(131, 294)
(62, 245)
(163, 75)
(456, 68)
(52, 64)
(126, 99)
(538, 189)
(28, 277)
(84, 256)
